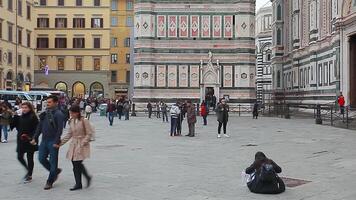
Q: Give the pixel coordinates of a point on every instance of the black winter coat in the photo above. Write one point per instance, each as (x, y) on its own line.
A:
(26, 127)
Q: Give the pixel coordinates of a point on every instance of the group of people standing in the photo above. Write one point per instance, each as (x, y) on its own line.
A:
(157, 109)
(50, 125)
(118, 108)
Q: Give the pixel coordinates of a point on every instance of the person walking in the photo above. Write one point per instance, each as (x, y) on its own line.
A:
(127, 110)
(149, 109)
(204, 112)
(158, 109)
(191, 118)
(120, 108)
(26, 125)
(164, 109)
(255, 110)
(222, 112)
(51, 127)
(88, 111)
(111, 112)
(5, 119)
(341, 102)
(80, 132)
(174, 112)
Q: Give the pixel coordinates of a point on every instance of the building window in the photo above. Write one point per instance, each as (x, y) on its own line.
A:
(96, 2)
(60, 43)
(28, 39)
(42, 22)
(28, 62)
(43, 62)
(9, 5)
(127, 58)
(79, 2)
(78, 43)
(9, 32)
(113, 21)
(114, 76)
(127, 42)
(113, 58)
(96, 43)
(43, 2)
(0, 54)
(129, 21)
(19, 7)
(78, 64)
(28, 11)
(61, 22)
(19, 36)
(0, 28)
(278, 78)
(279, 37)
(113, 4)
(0, 3)
(19, 60)
(9, 58)
(127, 76)
(78, 22)
(279, 12)
(129, 5)
(60, 63)
(97, 22)
(60, 2)
(42, 42)
(96, 64)
(113, 42)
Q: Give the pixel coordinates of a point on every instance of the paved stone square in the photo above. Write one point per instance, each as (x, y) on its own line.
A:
(138, 160)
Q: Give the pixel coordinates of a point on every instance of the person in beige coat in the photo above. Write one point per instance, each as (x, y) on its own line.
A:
(80, 133)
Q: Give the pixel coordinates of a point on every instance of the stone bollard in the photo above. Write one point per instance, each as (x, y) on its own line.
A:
(318, 119)
(133, 113)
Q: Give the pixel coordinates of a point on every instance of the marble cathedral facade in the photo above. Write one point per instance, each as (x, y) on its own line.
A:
(186, 49)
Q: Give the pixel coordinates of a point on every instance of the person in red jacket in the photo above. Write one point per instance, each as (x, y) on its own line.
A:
(204, 112)
(341, 102)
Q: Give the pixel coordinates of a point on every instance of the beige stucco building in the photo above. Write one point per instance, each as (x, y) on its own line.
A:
(16, 44)
(73, 43)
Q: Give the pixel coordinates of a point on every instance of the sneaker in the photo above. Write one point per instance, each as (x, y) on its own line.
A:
(48, 186)
(4, 141)
(226, 135)
(27, 179)
(219, 136)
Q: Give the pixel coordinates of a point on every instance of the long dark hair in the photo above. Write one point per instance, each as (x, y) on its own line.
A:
(76, 109)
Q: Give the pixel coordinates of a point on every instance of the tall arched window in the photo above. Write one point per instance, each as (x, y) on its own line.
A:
(61, 86)
(278, 78)
(279, 37)
(279, 12)
(78, 90)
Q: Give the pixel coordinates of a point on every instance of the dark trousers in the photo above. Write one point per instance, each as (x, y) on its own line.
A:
(78, 170)
(164, 116)
(29, 164)
(179, 126)
(46, 150)
(127, 115)
(205, 120)
(87, 115)
(111, 118)
(191, 127)
(158, 114)
(342, 110)
(174, 122)
(120, 114)
(149, 114)
(224, 124)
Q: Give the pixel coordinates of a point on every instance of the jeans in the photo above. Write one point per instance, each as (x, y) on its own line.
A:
(224, 124)
(111, 118)
(205, 120)
(46, 149)
(29, 165)
(127, 115)
(174, 122)
(4, 129)
(164, 116)
(120, 114)
(191, 128)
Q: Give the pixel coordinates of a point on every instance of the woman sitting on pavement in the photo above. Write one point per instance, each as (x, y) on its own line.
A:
(264, 178)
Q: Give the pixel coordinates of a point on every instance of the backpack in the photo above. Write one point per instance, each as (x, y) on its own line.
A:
(267, 173)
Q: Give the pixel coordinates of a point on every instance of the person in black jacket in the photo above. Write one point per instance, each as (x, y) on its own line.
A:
(258, 184)
(26, 127)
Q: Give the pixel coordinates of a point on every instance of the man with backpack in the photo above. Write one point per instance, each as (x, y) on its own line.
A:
(264, 178)
(51, 127)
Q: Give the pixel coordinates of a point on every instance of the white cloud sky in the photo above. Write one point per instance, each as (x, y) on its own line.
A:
(260, 3)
